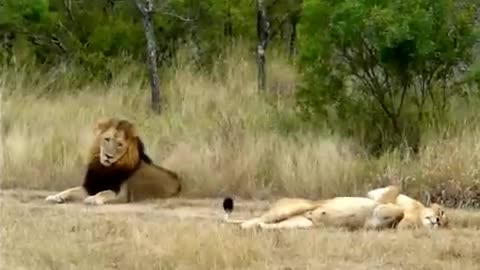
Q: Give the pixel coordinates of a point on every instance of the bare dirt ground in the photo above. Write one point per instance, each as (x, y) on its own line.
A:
(174, 208)
(188, 234)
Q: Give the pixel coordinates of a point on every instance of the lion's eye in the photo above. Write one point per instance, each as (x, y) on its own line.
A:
(106, 139)
(120, 145)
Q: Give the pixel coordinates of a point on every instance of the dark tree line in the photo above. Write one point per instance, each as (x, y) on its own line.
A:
(90, 33)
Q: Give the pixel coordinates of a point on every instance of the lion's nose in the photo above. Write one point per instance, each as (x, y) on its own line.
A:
(438, 220)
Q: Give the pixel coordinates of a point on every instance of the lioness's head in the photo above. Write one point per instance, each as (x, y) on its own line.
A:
(117, 140)
(434, 217)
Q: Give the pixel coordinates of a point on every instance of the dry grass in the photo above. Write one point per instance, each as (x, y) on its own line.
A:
(223, 138)
(158, 235)
(219, 134)
(216, 131)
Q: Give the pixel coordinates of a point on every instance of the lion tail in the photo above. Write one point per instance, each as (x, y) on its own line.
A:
(228, 206)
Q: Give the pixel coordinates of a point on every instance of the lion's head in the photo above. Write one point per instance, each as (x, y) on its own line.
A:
(434, 217)
(116, 143)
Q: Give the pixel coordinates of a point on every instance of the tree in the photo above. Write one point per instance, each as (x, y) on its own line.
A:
(147, 10)
(263, 32)
(394, 54)
(293, 19)
(284, 17)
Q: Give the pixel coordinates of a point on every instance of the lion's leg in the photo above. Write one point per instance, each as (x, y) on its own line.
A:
(75, 193)
(409, 221)
(387, 194)
(406, 224)
(273, 217)
(107, 196)
(251, 223)
(234, 221)
(296, 222)
(385, 216)
(287, 208)
(281, 210)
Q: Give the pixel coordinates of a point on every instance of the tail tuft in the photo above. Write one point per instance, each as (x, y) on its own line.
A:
(228, 205)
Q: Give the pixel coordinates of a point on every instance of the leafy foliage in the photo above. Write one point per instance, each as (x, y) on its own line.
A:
(381, 66)
(383, 69)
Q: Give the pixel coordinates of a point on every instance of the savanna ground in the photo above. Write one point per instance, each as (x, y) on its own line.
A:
(223, 138)
(187, 234)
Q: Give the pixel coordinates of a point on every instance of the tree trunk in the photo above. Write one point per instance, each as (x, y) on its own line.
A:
(6, 46)
(193, 40)
(263, 31)
(147, 11)
(227, 26)
(293, 36)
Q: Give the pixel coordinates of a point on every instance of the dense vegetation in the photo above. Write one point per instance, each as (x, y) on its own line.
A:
(386, 74)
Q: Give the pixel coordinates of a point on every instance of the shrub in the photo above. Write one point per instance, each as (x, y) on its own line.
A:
(383, 68)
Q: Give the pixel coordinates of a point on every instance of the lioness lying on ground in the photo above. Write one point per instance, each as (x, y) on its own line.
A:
(346, 212)
(416, 214)
(119, 170)
(382, 208)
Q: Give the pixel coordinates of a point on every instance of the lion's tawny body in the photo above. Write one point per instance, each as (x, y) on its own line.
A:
(119, 170)
(382, 208)
(340, 212)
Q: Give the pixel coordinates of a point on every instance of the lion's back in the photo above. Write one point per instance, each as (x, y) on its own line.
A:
(152, 181)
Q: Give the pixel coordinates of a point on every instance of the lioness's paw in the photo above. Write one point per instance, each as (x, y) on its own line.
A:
(57, 198)
(93, 200)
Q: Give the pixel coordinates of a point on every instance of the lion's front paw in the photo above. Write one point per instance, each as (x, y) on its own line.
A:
(93, 200)
(57, 198)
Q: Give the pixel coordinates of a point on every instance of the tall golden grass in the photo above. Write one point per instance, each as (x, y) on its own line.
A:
(216, 131)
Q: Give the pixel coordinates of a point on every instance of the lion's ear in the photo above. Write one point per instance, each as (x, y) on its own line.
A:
(127, 127)
(101, 125)
(133, 131)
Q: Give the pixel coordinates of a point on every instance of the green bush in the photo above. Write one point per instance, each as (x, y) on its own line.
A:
(380, 67)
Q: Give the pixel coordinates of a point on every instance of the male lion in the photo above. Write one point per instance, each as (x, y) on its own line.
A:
(342, 212)
(416, 215)
(119, 170)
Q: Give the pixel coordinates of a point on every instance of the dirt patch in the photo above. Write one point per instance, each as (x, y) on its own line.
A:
(172, 207)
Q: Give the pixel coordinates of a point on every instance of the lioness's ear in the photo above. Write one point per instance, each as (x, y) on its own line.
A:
(436, 207)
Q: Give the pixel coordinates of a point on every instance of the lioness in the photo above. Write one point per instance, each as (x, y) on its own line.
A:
(346, 212)
(119, 170)
(416, 214)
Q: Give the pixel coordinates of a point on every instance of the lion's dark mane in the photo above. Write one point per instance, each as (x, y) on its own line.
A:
(100, 178)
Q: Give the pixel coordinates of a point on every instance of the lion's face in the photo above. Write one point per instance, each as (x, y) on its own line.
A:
(113, 146)
(114, 139)
(434, 217)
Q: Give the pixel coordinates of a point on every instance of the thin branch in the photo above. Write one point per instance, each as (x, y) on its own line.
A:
(271, 5)
(367, 81)
(281, 21)
(370, 84)
(402, 98)
(174, 15)
(68, 8)
(56, 41)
